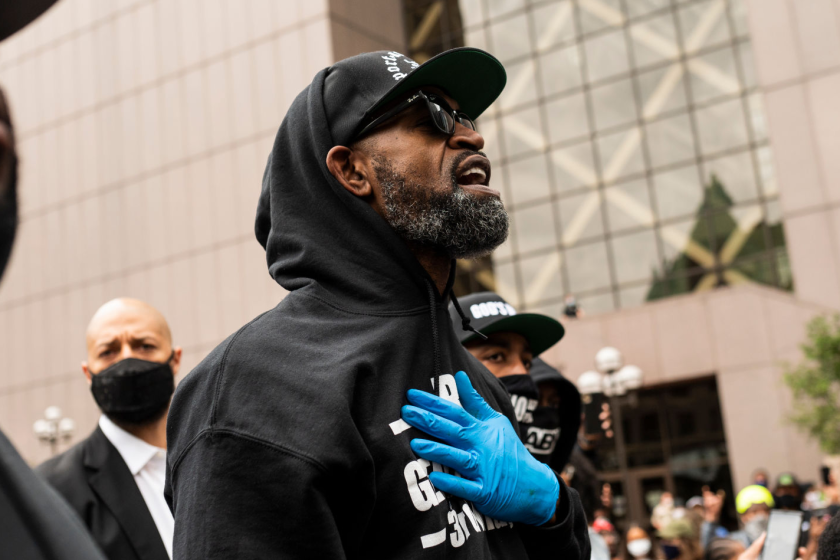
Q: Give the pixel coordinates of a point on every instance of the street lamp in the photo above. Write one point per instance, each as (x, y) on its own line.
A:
(613, 379)
(52, 428)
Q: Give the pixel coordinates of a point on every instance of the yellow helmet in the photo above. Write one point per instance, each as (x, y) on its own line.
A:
(752, 495)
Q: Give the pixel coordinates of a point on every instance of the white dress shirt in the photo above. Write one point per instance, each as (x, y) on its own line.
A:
(147, 464)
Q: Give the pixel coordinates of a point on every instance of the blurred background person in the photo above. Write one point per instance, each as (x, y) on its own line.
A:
(761, 478)
(114, 479)
(663, 511)
(639, 544)
(680, 540)
(724, 549)
(753, 504)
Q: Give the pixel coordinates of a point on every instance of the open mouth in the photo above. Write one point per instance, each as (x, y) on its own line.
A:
(474, 173)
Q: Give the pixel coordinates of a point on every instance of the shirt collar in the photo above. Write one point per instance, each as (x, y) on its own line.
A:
(135, 452)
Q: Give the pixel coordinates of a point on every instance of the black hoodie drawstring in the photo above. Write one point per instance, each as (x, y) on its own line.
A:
(465, 322)
(435, 334)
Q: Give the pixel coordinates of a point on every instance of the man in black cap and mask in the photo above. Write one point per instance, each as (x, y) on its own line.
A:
(546, 404)
(114, 479)
(305, 434)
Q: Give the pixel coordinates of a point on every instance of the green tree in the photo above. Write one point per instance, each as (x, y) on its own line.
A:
(816, 384)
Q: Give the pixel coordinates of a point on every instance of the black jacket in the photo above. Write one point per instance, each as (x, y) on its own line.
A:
(286, 441)
(35, 522)
(97, 484)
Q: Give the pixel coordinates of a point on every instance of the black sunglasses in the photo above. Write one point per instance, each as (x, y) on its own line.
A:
(443, 115)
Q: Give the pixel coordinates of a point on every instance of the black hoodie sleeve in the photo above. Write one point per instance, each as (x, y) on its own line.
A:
(566, 538)
(264, 501)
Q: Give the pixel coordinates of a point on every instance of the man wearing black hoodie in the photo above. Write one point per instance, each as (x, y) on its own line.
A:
(293, 438)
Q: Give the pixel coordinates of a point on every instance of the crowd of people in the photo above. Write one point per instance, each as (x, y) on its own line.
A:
(692, 528)
(372, 413)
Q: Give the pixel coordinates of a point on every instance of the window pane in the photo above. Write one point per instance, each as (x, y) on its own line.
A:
(510, 37)
(713, 75)
(587, 267)
(738, 9)
(670, 141)
(628, 205)
(472, 12)
(561, 70)
(757, 117)
(661, 90)
(520, 87)
(528, 179)
(635, 256)
(678, 192)
(692, 21)
(580, 217)
(606, 55)
(767, 171)
(620, 154)
(596, 304)
(554, 23)
(574, 167)
(614, 104)
(721, 127)
(641, 7)
(506, 283)
(748, 65)
(534, 228)
(633, 297)
(541, 277)
(567, 118)
(522, 132)
(607, 13)
(496, 8)
(654, 40)
(735, 174)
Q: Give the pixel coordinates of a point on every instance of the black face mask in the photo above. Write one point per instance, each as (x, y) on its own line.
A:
(134, 391)
(788, 502)
(524, 396)
(541, 437)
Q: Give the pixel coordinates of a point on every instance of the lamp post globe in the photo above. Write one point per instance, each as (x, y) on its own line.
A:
(608, 360)
(590, 382)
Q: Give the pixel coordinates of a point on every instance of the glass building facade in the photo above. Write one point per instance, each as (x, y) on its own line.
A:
(630, 146)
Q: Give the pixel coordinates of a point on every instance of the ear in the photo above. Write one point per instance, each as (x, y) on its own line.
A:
(86, 371)
(176, 360)
(351, 169)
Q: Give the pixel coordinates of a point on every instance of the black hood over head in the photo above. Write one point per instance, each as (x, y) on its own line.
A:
(314, 231)
(570, 410)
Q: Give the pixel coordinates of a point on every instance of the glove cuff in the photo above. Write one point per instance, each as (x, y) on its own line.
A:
(549, 496)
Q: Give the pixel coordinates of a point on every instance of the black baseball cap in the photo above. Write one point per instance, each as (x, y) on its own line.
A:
(14, 16)
(489, 313)
(356, 87)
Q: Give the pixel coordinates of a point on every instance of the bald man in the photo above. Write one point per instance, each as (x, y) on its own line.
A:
(114, 479)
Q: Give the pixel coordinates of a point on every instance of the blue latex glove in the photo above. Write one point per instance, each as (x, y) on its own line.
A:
(501, 478)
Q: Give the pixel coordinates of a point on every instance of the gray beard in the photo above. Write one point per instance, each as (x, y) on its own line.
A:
(459, 223)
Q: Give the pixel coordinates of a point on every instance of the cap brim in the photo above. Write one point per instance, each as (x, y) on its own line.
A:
(472, 77)
(14, 16)
(541, 332)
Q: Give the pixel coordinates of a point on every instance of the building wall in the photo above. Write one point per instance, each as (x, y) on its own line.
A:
(797, 57)
(743, 335)
(143, 128)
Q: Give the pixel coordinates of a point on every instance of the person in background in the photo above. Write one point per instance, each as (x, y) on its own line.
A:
(761, 477)
(547, 405)
(638, 544)
(114, 479)
(753, 504)
(724, 549)
(787, 494)
(570, 307)
(712, 507)
(679, 539)
(829, 540)
(663, 511)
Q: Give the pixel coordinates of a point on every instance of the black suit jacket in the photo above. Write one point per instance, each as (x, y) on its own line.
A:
(97, 484)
